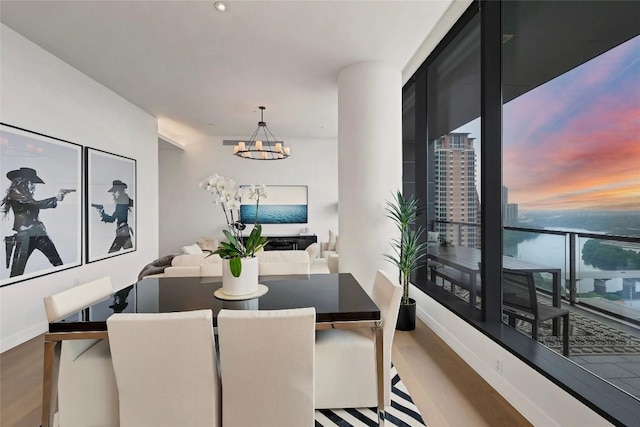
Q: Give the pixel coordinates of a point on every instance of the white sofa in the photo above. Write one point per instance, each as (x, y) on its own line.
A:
(331, 257)
(270, 263)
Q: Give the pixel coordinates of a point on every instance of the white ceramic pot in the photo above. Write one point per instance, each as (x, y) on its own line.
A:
(246, 283)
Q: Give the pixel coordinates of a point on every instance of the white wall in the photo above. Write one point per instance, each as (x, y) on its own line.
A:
(41, 93)
(187, 212)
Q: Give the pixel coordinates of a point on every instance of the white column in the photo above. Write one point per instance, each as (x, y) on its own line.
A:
(369, 165)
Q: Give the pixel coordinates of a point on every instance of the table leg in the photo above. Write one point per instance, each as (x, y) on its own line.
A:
(380, 373)
(50, 382)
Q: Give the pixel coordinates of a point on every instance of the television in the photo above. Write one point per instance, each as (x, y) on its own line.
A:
(284, 204)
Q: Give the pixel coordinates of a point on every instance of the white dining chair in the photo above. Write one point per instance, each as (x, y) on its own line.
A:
(266, 366)
(165, 365)
(87, 392)
(346, 375)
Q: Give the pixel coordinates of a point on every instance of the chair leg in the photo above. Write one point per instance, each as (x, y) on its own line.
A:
(512, 321)
(534, 330)
(565, 335)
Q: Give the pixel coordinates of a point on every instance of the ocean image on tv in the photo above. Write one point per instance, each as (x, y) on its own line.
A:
(274, 214)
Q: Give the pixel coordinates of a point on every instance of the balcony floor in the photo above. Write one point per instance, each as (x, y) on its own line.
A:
(605, 346)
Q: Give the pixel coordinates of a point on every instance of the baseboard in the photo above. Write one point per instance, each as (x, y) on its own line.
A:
(7, 343)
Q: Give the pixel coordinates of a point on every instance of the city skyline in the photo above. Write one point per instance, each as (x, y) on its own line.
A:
(574, 142)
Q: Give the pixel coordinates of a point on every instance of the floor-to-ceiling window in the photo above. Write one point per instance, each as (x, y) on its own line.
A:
(571, 94)
(567, 146)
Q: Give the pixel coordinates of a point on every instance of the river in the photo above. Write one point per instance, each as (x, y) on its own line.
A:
(553, 250)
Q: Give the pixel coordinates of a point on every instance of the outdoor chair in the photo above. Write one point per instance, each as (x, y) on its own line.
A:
(520, 301)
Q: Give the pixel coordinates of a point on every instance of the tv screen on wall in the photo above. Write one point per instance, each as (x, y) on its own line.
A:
(284, 204)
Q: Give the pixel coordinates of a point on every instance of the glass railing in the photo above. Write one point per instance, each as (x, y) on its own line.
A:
(601, 272)
(600, 285)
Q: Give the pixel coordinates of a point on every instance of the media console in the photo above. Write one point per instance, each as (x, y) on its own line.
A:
(292, 242)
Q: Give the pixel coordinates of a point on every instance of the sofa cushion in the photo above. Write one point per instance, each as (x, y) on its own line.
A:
(209, 270)
(283, 262)
(182, 271)
(312, 250)
(319, 266)
(283, 256)
(208, 244)
(332, 240)
(195, 260)
(327, 254)
(191, 250)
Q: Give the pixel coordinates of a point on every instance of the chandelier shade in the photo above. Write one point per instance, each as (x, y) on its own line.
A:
(262, 145)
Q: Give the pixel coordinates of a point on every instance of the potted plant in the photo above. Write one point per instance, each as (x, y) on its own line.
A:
(237, 255)
(408, 253)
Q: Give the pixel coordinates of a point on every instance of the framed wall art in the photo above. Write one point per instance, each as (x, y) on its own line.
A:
(41, 205)
(110, 200)
(284, 204)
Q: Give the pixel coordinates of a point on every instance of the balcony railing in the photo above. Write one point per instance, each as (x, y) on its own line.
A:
(600, 271)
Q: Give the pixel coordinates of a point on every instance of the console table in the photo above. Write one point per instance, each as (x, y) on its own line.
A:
(292, 242)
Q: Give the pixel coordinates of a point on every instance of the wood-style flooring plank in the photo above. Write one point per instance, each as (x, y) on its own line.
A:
(21, 384)
(445, 389)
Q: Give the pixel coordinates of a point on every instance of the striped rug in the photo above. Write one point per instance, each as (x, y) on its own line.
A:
(402, 411)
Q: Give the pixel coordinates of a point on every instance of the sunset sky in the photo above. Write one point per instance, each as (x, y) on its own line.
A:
(574, 142)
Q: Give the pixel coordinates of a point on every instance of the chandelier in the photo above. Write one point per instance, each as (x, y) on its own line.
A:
(262, 149)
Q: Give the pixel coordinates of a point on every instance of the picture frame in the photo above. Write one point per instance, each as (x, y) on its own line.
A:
(41, 205)
(110, 204)
(284, 204)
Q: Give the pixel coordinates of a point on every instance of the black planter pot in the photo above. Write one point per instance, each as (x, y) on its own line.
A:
(407, 316)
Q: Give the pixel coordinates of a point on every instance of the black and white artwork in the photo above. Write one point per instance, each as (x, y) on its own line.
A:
(41, 205)
(111, 209)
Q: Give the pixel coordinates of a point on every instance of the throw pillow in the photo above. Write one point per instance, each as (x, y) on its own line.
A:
(337, 241)
(192, 250)
(207, 244)
(332, 240)
(432, 236)
(312, 250)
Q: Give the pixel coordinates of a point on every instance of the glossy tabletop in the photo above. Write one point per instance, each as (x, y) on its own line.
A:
(336, 298)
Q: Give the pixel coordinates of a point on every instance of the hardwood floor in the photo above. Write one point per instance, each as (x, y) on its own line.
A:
(445, 389)
(21, 384)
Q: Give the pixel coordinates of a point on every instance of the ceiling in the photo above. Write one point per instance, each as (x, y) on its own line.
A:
(202, 72)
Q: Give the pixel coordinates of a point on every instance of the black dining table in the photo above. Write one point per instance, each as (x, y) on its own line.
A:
(339, 301)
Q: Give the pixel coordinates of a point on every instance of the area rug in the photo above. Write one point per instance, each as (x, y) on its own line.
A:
(587, 336)
(402, 411)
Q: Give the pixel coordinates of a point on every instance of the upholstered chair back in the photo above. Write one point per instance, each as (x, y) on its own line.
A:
(267, 367)
(165, 366)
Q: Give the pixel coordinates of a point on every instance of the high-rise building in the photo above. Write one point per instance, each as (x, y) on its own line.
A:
(509, 210)
(456, 198)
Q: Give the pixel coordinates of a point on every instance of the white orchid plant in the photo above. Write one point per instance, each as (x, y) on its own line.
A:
(226, 193)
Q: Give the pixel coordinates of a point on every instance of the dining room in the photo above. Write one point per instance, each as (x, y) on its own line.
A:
(92, 97)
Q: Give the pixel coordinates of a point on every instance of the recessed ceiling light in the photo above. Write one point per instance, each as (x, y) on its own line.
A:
(220, 6)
